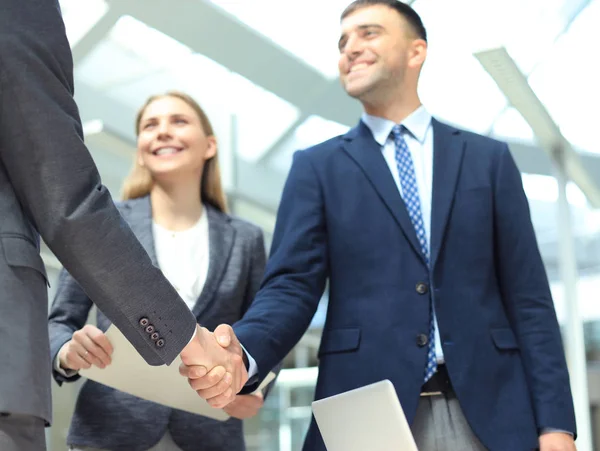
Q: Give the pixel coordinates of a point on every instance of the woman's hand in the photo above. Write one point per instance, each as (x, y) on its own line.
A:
(245, 406)
(89, 346)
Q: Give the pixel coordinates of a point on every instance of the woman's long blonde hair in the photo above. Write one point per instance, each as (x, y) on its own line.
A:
(139, 181)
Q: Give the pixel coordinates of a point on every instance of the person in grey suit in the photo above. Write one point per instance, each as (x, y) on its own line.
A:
(175, 205)
(49, 186)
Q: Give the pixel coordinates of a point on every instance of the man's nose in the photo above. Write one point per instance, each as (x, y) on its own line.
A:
(352, 48)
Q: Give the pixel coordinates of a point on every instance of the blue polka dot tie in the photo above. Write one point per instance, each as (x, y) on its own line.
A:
(410, 194)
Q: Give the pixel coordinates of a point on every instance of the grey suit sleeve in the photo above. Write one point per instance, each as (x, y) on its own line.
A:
(68, 314)
(60, 191)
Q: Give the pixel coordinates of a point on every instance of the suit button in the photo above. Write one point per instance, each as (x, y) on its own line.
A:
(149, 329)
(144, 322)
(160, 343)
(422, 288)
(422, 340)
(155, 336)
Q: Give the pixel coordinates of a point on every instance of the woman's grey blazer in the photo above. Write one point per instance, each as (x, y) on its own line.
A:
(109, 419)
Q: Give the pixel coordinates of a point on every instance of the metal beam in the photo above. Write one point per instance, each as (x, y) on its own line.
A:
(283, 138)
(514, 85)
(573, 337)
(212, 32)
(100, 29)
(325, 103)
(575, 11)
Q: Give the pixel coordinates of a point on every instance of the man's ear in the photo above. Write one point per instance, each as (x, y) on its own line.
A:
(417, 53)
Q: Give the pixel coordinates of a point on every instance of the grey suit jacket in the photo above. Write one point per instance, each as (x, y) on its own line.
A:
(109, 419)
(49, 185)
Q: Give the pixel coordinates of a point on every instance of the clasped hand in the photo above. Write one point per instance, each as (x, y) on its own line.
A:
(214, 365)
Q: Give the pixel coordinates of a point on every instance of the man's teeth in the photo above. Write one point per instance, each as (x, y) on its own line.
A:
(358, 67)
(166, 151)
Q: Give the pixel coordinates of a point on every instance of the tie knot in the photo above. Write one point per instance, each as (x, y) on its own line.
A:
(398, 131)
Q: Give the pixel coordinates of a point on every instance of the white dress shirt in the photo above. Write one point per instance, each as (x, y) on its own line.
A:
(183, 258)
(419, 140)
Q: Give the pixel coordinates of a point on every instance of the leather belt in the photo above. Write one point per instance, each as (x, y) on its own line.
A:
(439, 384)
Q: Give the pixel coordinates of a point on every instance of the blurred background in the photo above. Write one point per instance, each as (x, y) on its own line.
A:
(265, 71)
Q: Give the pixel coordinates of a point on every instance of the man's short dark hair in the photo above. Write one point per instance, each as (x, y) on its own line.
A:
(409, 14)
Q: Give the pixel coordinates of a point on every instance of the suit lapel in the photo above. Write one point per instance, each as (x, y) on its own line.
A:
(221, 236)
(366, 152)
(138, 214)
(448, 150)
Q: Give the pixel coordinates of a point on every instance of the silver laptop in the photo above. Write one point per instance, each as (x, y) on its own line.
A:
(367, 418)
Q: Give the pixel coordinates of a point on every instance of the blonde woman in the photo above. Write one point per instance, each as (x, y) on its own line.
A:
(174, 203)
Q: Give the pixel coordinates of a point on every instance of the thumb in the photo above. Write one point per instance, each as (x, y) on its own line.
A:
(223, 334)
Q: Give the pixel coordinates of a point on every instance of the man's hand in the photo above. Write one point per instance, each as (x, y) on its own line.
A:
(245, 406)
(557, 441)
(214, 369)
(89, 346)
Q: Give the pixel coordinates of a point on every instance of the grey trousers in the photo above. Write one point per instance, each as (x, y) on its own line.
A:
(165, 444)
(441, 426)
(22, 433)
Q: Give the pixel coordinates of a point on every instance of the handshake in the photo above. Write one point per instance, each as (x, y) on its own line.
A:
(214, 364)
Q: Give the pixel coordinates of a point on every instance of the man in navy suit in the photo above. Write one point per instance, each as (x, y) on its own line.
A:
(436, 280)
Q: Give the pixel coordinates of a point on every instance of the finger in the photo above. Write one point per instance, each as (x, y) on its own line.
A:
(77, 355)
(224, 334)
(101, 340)
(253, 400)
(76, 362)
(192, 371)
(245, 406)
(237, 380)
(72, 361)
(222, 400)
(250, 401)
(232, 412)
(96, 354)
(85, 355)
(240, 372)
(98, 342)
(237, 409)
(213, 378)
(83, 345)
(217, 389)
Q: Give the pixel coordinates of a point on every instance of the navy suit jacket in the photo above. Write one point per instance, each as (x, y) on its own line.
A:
(342, 218)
